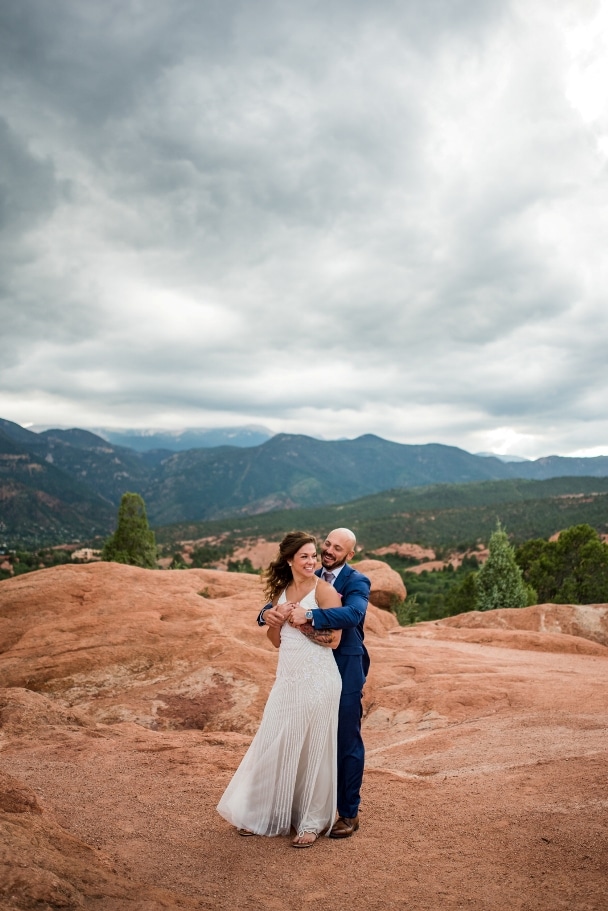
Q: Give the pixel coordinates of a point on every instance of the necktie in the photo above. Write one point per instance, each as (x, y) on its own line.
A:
(329, 577)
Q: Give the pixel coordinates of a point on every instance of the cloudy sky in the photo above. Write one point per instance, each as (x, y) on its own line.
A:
(329, 218)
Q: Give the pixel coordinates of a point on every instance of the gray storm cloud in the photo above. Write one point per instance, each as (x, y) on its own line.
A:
(331, 220)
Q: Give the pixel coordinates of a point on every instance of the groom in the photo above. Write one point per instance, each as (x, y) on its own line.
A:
(352, 660)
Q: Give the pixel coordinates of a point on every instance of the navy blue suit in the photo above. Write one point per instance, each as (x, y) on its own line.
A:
(353, 663)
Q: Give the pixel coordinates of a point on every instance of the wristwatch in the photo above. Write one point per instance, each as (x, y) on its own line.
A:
(308, 615)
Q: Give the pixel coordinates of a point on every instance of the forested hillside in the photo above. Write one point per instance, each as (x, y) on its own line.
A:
(440, 516)
(64, 484)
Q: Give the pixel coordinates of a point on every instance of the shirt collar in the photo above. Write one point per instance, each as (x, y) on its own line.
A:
(336, 572)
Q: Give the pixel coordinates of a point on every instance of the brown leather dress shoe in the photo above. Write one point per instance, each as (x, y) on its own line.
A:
(344, 827)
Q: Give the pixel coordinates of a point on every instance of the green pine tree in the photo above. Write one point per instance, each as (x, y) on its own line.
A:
(462, 597)
(499, 582)
(571, 570)
(133, 542)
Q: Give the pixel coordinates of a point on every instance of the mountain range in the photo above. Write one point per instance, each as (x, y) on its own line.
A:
(58, 485)
(189, 438)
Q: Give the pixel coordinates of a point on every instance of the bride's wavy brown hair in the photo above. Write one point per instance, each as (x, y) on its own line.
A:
(278, 575)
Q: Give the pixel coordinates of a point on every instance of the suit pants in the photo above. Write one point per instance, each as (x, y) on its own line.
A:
(351, 754)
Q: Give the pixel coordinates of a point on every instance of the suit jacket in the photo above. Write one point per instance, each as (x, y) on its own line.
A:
(351, 655)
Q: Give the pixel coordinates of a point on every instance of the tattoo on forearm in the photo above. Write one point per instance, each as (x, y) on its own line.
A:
(322, 636)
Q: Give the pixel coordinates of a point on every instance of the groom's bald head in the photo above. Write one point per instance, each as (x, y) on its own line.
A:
(338, 548)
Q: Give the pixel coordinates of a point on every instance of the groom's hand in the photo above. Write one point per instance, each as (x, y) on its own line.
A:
(298, 616)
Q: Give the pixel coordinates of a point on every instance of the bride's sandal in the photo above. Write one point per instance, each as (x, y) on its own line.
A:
(304, 840)
(245, 832)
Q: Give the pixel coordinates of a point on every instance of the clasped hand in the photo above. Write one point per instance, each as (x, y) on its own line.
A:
(290, 612)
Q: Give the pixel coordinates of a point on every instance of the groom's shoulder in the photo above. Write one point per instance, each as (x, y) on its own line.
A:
(354, 575)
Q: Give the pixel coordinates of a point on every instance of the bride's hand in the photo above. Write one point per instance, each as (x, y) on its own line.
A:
(286, 609)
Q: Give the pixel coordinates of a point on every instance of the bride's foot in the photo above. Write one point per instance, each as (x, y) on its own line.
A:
(245, 832)
(305, 840)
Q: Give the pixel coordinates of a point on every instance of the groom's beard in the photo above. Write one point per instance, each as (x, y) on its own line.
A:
(331, 566)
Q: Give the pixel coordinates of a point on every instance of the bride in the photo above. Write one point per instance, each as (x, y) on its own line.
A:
(287, 778)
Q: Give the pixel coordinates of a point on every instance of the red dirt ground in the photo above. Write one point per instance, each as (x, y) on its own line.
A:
(130, 698)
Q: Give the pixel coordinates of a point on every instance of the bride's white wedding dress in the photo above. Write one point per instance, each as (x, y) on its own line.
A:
(287, 777)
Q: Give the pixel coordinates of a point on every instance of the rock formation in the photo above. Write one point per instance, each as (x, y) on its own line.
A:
(566, 624)
(387, 585)
(129, 696)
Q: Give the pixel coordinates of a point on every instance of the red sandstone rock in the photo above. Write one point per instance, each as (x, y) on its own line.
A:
(586, 621)
(407, 550)
(146, 696)
(432, 566)
(259, 551)
(166, 649)
(387, 585)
